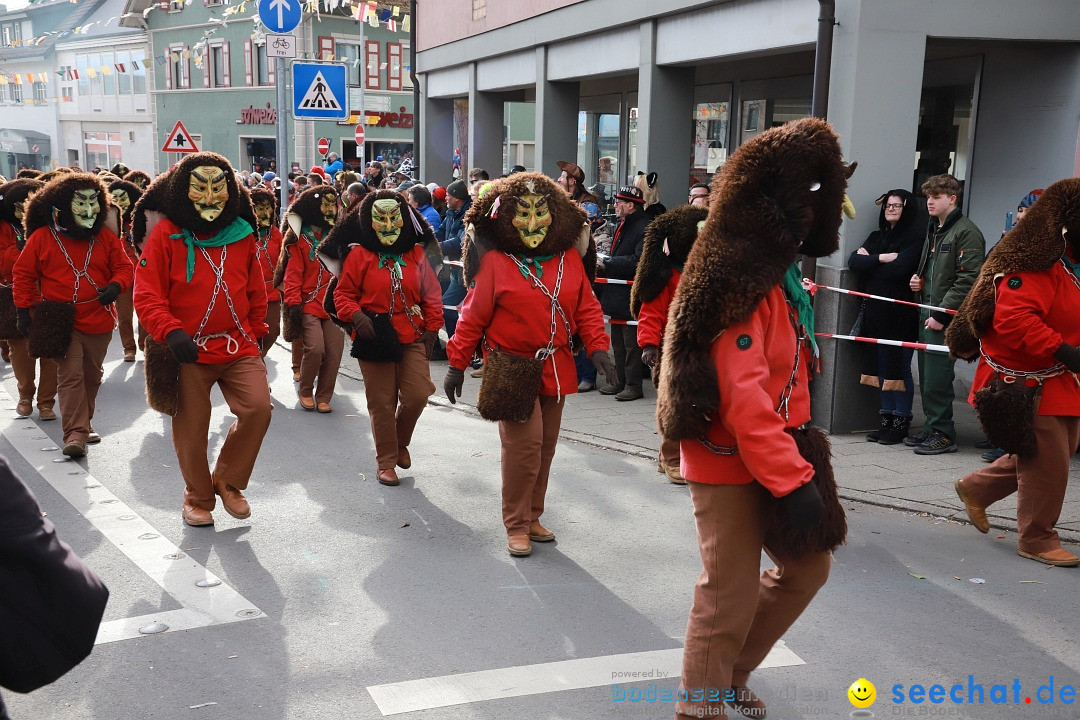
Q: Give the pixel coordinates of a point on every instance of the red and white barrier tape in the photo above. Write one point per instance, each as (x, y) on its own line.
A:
(811, 287)
(896, 343)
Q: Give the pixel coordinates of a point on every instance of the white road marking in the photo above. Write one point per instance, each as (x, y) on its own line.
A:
(414, 695)
(159, 558)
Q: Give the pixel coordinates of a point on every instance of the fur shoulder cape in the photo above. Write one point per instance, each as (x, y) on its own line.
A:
(777, 196)
(1036, 243)
(14, 192)
(668, 240)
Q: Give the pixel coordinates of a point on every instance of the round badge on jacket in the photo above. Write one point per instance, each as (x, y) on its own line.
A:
(1015, 282)
(744, 342)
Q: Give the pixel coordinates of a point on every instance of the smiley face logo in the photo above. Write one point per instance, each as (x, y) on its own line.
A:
(862, 693)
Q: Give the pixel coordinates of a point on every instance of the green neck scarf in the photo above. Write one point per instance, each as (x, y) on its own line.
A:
(801, 301)
(238, 229)
(394, 262)
(309, 233)
(535, 261)
(1073, 266)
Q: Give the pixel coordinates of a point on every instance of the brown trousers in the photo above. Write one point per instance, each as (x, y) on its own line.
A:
(527, 450)
(243, 385)
(78, 377)
(324, 342)
(273, 321)
(396, 396)
(297, 354)
(739, 612)
(25, 368)
(125, 312)
(1038, 481)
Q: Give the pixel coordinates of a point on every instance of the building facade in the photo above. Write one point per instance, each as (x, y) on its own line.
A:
(988, 90)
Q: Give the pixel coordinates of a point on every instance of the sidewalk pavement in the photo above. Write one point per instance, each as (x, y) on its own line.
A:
(888, 476)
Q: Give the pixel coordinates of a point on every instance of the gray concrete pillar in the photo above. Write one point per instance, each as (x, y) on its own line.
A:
(878, 129)
(437, 139)
(665, 119)
(485, 129)
(556, 121)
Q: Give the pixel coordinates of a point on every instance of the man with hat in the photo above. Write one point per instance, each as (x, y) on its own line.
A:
(451, 235)
(622, 264)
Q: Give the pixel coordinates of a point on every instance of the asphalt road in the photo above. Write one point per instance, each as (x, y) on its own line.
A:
(339, 591)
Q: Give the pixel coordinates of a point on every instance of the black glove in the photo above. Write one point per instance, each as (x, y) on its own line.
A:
(108, 294)
(452, 384)
(804, 506)
(365, 329)
(22, 321)
(429, 338)
(1068, 356)
(650, 354)
(295, 314)
(183, 347)
(602, 362)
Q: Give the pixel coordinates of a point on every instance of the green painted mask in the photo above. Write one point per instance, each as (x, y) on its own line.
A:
(328, 206)
(264, 213)
(532, 219)
(208, 190)
(85, 207)
(120, 197)
(386, 220)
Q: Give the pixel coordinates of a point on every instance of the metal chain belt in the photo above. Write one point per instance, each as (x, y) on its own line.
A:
(79, 274)
(318, 278)
(220, 287)
(395, 290)
(556, 313)
(263, 249)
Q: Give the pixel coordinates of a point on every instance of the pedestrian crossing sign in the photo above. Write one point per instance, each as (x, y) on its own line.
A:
(319, 91)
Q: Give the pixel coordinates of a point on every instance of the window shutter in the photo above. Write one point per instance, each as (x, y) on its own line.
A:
(168, 68)
(226, 72)
(186, 67)
(207, 66)
(248, 49)
(372, 60)
(326, 47)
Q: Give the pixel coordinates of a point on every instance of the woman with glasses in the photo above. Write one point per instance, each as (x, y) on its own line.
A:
(884, 265)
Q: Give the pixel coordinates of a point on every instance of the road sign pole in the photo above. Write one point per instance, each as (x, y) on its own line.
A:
(283, 115)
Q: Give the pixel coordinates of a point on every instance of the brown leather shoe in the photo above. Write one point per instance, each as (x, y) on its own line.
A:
(672, 472)
(745, 701)
(197, 517)
(307, 403)
(129, 356)
(1058, 558)
(404, 460)
(233, 501)
(46, 414)
(324, 408)
(74, 449)
(519, 545)
(388, 477)
(539, 533)
(976, 514)
(24, 408)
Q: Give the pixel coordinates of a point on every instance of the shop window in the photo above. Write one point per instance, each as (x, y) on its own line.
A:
(944, 134)
(371, 72)
(758, 116)
(103, 149)
(710, 140)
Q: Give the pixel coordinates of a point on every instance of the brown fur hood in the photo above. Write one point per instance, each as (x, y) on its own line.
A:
(14, 192)
(139, 178)
(777, 196)
(134, 192)
(56, 195)
(489, 223)
(356, 229)
(668, 240)
(1036, 243)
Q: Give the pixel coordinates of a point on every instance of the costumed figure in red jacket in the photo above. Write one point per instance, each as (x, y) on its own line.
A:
(529, 295)
(668, 240)
(66, 280)
(124, 196)
(1020, 319)
(13, 197)
(734, 391)
(265, 204)
(389, 298)
(201, 294)
(304, 281)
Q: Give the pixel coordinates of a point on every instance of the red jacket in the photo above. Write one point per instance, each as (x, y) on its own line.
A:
(43, 271)
(268, 248)
(364, 285)
(652, 317)
(753, 362)
(306, 280)
(166, 301)
(1035, 313)
(9, 251)
(505, 307)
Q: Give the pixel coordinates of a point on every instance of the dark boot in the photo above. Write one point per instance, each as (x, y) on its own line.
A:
(897, 431)
(886, 423)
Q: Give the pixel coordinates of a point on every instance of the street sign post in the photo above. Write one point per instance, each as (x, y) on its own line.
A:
(324, 146)
(281, 46)
(280, 16)
(319, 91)
(360, 138)
(179, 140)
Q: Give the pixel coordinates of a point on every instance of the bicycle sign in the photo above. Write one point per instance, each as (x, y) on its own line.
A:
(282, 46)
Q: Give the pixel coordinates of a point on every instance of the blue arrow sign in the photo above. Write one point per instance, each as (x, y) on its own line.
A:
(280, 16)
(319, 91)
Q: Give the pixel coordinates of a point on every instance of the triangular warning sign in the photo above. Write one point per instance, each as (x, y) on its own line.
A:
(179, 140)
(319, 96)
